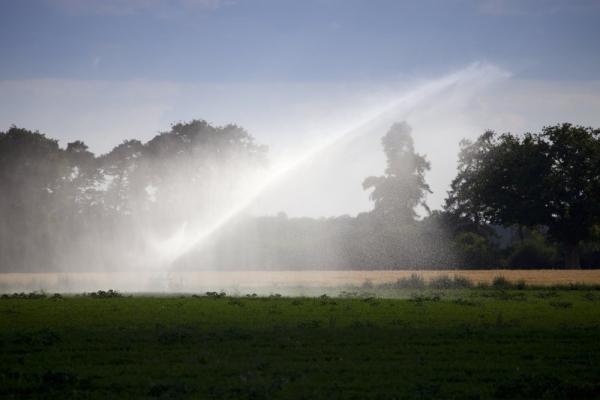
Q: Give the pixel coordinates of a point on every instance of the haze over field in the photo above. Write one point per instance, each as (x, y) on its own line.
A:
(319, 82)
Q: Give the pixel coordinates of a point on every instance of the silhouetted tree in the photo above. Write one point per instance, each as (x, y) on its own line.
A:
(32, 173)
(122, 167)
(402, 189)
(550, 179)
(462, 213)
(70, 208)
(196, 167)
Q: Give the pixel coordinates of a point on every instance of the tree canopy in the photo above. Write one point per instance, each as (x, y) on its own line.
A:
(68, 207)
(551, 179)
(398, 193)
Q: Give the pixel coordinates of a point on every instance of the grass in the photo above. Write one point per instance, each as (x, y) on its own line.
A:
(497, 341)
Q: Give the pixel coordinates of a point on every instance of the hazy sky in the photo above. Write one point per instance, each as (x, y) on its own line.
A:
(297, 73)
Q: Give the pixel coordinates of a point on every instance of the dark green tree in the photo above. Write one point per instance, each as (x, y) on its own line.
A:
(85, 180)
(402, 189)
(123, 168)
(196, 167)
(33, 170)
(550, 179)
(461, 213)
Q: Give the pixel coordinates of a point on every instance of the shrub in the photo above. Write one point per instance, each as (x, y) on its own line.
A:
(501, 282)
(441, 282)
(101, 294)
(476, 251)
(533, 254)
(415, 281)
(35, 295)
(483, 285)
(590, 296)
(462, 282)
(215, 295)
(367, 284)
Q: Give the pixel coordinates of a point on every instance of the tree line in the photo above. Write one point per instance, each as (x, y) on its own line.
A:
(68, 209)
(516, 202)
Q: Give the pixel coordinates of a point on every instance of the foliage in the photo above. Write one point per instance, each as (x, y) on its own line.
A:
(463, 213)
(32, 295)
(413, 282)
(101, 294)
(500, 282)
(67, 208)
(476, 251)
(31, 171)
(533, 254)
(548, 179)
(397, 194)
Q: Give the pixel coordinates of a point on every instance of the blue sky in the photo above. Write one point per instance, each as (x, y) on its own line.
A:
(294, 72)
(299, 41)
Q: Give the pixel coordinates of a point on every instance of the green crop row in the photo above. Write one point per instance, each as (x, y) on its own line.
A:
(463, 344)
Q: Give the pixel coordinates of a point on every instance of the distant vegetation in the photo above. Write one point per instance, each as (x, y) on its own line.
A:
(525, 202)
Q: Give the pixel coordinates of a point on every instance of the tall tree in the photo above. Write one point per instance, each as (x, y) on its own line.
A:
(67, 207)
(402, 189)
(126, 191)
(33, 170)
(550, 179)
(461, 213)
(197, 167)
(85, 179)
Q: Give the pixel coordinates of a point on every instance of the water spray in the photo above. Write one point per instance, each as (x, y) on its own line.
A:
(184, 240)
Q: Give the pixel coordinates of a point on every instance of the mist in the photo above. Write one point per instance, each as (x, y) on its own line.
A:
(202, 198)
(207, 198)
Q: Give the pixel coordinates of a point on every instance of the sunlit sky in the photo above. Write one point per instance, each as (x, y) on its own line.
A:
(296, 73)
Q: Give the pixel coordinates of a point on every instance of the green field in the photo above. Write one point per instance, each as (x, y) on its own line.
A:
(434, 344)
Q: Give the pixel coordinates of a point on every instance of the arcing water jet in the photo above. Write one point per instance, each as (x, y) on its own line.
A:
(186, 238)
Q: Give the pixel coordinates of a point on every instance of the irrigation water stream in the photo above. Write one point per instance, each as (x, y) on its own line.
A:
(189, 236)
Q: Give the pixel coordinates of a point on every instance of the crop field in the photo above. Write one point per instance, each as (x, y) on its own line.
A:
(265, 281)
(487, 341)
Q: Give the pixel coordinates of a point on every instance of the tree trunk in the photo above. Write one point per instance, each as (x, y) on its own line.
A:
(571, 255)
